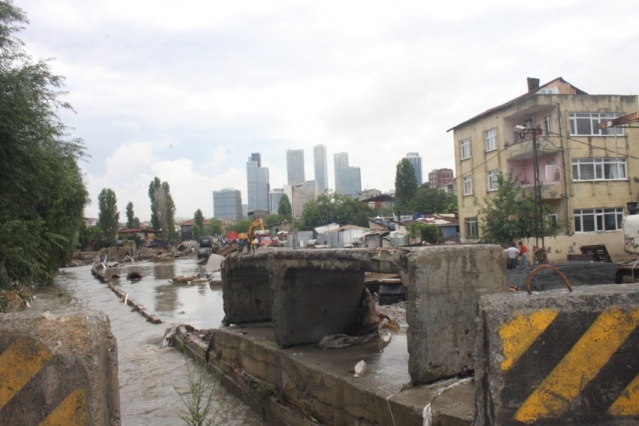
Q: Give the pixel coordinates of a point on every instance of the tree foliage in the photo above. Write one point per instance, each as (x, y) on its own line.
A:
(162, 209)
(284, 208)
(198, 225)
(434, 201)
(41, 186)
(131, 220)
(405, 186)
(108, 216)
(425, 231)
(334, 208)
(214, 227)
(240, 226)
(509, 213)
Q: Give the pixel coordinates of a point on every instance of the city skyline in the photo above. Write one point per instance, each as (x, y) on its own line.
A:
(185, 94)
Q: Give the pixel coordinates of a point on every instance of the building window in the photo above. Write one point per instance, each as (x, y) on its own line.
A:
(587, 124)
(465, 149)
(548, 91)
(491, 139)
(472, 230)
(592, 220)
(599, 169)
(468, 185)
(492, 180)
(548, 124)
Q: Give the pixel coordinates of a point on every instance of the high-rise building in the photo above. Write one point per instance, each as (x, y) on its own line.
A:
(348, 179)
(416, 162)
(320, 169)
(258, 185)
(227, 205)
(295, 166)
(275, 197)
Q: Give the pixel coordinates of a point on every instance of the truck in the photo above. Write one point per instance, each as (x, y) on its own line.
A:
(628, 272)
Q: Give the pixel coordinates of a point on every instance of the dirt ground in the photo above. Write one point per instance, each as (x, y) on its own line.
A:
(578, 273)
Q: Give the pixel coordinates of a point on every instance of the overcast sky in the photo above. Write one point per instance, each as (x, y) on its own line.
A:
(187, 90)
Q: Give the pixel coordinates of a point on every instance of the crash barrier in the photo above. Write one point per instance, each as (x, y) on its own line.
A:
(58, 369)
(559, 357)
(309, 294)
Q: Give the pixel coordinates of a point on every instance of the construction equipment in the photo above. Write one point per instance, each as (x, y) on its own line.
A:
(629, 271)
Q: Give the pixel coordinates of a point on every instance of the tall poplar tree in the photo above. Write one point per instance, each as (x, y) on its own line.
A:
(162, 209)
(405, 186)
(108, 216)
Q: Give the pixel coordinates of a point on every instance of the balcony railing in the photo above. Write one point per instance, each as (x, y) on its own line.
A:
(549, 190)
(522, 148)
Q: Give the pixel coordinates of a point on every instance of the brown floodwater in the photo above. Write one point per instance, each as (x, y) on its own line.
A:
(150, 376)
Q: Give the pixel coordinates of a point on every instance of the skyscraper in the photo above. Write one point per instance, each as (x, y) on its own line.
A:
(320, 169)
(258, 185)
(227, 205)
(275, 197)
(416, 161)
(295, 166)
(348, 179)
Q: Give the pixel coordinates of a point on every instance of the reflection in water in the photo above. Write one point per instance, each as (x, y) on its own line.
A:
(164, 270)
(166, 298)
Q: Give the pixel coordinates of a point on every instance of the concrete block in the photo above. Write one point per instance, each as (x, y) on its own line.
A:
(444, 285)
(58, 368)
(309, 304)
(559, 357)
(246, 289)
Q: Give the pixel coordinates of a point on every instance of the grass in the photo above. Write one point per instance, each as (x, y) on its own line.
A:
(200, 399)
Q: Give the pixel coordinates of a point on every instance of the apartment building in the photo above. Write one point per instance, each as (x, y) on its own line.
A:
(587, 176)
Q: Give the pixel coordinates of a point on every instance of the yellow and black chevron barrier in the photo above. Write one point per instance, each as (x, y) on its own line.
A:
(22, 382)
(567, 366)
(57, 370)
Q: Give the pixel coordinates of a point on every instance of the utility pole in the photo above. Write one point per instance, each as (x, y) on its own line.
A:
(539, 209)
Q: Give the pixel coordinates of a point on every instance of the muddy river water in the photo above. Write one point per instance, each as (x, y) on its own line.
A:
(151, 377)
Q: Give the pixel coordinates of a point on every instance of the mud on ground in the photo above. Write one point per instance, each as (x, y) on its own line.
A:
(578, 273)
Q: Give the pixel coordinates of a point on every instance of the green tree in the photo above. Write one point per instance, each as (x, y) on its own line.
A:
(434, 201)
(41, 186)
(198, 225)
(425, 231)
(329, 208)
(131, 220)
(241, 226)
(108, 216)
(162, 209)
(284, 208)
(154, 189)
(405, 186)
(509, 213)
(214, 227)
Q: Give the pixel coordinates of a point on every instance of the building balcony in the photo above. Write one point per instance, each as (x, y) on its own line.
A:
(522, 149)
(549, 190)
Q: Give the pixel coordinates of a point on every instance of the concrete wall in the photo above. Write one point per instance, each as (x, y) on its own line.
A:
(318, 292)
(58, 369)
(558, 357)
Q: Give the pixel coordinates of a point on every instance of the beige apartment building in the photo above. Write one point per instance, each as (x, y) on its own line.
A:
(587, 176)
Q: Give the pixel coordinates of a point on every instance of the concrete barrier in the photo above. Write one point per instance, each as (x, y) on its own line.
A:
(58, 369)
(444, 287)
(559, 357)
(309, 294)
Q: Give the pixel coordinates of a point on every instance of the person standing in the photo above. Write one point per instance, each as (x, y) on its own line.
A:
(523, 250)
(512, 254)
